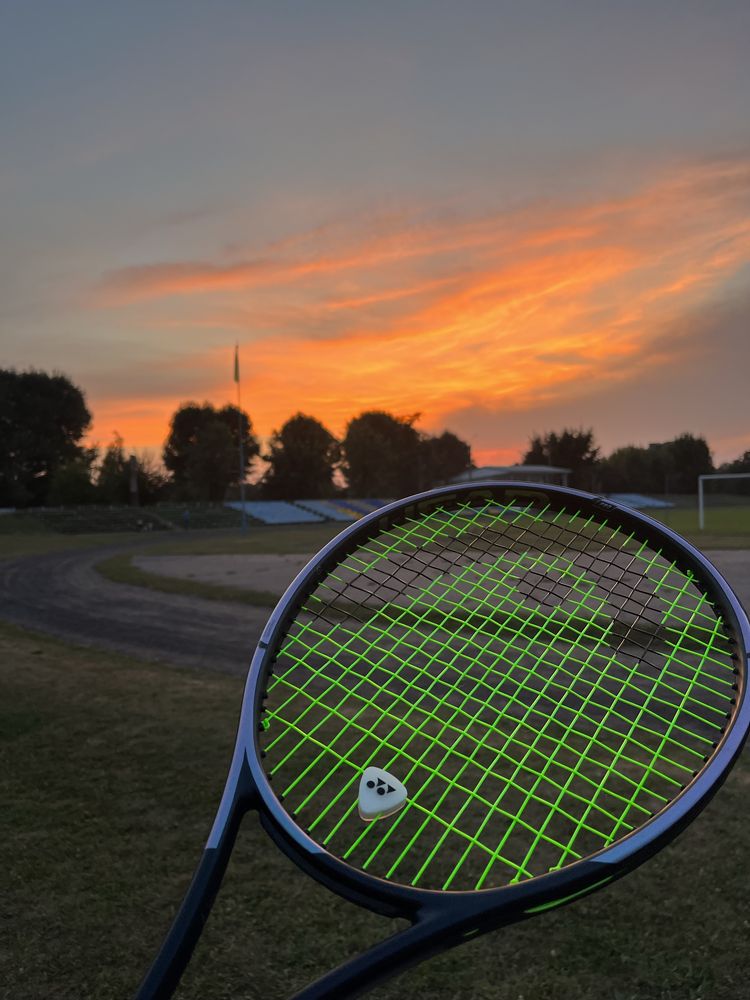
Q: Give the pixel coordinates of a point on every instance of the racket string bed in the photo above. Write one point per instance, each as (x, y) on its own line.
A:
(541, 682)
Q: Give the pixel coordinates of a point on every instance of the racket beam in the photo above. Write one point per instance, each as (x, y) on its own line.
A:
(162, 978)
(386, 959)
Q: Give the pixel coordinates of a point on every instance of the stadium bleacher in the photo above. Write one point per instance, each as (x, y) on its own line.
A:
(306, 511)
(365, 506)
(276, 512)
(329, 509)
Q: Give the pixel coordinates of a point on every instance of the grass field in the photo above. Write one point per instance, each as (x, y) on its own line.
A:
(110, 778)
(41, 542)
(725, 527)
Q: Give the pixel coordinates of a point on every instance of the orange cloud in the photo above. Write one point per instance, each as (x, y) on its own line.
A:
(508, 311)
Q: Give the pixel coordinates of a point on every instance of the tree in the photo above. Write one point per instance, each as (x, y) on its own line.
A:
(211, 463)
(685, 458)
(71, 483)
(381, 455)
(112, 481)
(302, 457)
(631, 469)
(442, 458)
(572, 449)
(113, 477)
(192, 427)
(42, 420)
(739, 465)
(662, 467)
(152, 479)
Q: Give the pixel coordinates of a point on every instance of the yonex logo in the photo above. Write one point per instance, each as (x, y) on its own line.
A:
(381, 785)
(380, 794)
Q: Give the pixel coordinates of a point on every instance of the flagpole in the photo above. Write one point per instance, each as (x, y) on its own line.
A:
(240, 434)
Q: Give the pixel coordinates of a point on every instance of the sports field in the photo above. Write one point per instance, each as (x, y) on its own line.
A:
(112, 769)
(727, 524)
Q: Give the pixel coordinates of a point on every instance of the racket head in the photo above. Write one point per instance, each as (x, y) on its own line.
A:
(507, 897)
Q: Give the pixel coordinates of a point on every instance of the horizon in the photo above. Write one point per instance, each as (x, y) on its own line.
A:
(511, 221)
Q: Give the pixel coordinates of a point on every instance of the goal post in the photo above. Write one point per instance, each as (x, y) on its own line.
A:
(715, 475)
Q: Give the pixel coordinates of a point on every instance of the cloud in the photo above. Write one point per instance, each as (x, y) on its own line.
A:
(559, 358)
(697, 385)
(528, 312)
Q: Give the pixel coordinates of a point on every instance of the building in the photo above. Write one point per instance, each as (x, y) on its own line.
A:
(520, 473)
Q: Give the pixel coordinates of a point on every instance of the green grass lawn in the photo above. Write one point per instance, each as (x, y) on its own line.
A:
(725, 527)
(35, 544)
(111, 772)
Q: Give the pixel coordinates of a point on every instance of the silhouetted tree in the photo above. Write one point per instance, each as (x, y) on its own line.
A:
(381, 455)
(739, 465)
(302, 457)
(42, 420)
(192, 427)
(152, 479)
(71, 483)
(442, 458)
(113, 477)
(631, 469)
(212, 463)
(684, 459)
(572, 449)
(662, 467)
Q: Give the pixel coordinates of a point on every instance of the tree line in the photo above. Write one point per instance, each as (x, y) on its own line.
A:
(665, 467)
(43, 419)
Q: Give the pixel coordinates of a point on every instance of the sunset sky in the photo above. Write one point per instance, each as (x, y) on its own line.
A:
(508, 217)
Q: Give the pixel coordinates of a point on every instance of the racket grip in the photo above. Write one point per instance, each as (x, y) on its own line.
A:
(162, 978)
(386, 959)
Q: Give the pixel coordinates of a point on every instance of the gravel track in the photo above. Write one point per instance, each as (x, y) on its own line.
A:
(62, 594)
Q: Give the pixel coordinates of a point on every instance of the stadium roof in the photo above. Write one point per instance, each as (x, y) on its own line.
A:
(528, 472)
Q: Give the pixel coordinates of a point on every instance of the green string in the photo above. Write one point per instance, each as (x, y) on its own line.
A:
(540, 681)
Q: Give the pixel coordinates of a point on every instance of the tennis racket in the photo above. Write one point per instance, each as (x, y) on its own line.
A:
(474, 705)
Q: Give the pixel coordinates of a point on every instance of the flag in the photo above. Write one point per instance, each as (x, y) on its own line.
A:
(237, 363)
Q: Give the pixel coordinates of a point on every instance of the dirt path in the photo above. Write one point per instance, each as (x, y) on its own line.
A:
(62, 594)
(273, 573)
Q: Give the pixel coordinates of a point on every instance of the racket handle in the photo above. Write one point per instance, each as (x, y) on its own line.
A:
(162, 978)
(388, 958)
(164, 975)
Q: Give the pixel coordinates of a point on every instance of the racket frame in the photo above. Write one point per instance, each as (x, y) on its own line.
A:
(439, 919)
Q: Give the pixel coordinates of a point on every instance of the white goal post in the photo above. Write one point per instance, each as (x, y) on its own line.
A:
(716, 475)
